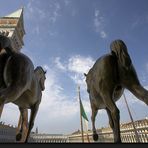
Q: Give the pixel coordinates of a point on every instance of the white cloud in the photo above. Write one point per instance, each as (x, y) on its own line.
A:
(30, 9)
(59, 64)
(99, 24)
(46, 67)
(80, 64)
(79, 79)
(76, 66)
(33, 10)
(54, 13)
(67, 2)
(103, 34)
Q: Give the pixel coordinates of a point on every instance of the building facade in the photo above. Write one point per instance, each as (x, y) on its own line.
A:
(48, 138)
(7, 133)
(106, 135)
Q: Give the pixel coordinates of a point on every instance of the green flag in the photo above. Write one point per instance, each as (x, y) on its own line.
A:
(83, 114)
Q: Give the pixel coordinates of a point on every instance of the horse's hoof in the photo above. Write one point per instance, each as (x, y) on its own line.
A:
(95, 137)
(18, 137)
(118, 141)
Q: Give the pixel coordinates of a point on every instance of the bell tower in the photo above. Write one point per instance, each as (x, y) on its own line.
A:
(12, 26)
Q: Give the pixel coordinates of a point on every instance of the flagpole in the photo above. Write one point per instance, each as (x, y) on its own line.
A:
(81, 122)
(136, 133)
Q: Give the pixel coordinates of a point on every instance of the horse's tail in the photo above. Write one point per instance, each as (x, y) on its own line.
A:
(119, 49)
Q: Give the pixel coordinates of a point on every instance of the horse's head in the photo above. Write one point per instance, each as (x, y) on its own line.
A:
(41, 76)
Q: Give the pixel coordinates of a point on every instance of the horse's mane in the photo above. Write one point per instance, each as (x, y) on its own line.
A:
(39, 69)
(119, 49)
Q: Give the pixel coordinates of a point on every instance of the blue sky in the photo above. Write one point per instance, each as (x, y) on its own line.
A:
(66, 37)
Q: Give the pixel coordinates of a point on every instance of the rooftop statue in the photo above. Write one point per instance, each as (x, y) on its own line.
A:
(20, 83)
(106, 81)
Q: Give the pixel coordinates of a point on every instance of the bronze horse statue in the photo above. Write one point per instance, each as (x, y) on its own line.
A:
(106, 81)
(20, 83)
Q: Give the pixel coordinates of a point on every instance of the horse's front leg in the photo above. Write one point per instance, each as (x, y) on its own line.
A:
(34, 111)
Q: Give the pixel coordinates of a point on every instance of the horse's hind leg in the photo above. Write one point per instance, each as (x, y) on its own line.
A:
(23, 117)
(111, 123)
(115, 115)
(94, 113)
(34, 110)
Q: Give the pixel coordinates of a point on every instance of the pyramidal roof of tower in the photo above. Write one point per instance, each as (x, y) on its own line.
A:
(16, 14)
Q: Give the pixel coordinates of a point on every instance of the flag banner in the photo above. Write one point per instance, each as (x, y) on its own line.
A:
(83, 114)
(83, 118)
